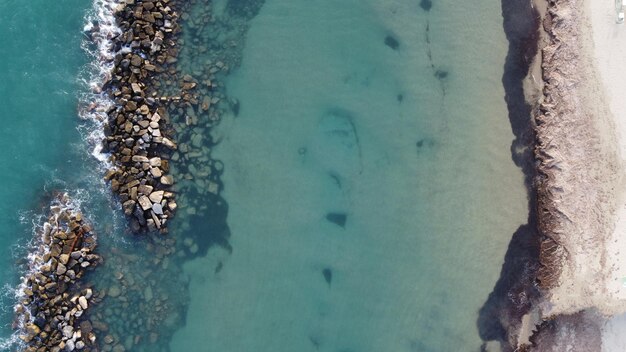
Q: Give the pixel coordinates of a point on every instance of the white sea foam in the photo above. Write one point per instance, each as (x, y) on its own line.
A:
(100, 30)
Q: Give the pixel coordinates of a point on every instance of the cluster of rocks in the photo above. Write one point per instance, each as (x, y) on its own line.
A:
(139, 137)
(51, 314)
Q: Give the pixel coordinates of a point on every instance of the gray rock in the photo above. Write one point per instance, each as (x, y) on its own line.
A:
(139, 158)
(157, 209)
(145, 203)
(167, 180)
(156, 172)
(136, 89)
(168, 143)
(68, 331)
(61, 269)
(83, 302)
(64, 258)
(156, 197)
(136, 60)
(144, 110)
(155, 162)
(145, 189)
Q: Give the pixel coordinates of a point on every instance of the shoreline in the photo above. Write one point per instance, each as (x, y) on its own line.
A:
(578, 124)
(579, 186)
(578, 169)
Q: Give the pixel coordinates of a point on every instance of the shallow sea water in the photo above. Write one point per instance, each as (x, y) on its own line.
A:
(40, 147)
(368, 186)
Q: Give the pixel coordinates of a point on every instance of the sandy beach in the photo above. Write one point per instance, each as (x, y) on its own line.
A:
(580, 129)
(579, 169)
(609, 54)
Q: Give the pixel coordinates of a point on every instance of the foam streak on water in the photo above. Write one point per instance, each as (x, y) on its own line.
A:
(103, 29)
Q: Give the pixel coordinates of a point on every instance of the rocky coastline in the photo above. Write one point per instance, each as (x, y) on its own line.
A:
(53, 298)
(138, 134)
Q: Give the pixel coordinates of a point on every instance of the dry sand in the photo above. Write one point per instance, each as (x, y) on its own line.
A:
(609, 54)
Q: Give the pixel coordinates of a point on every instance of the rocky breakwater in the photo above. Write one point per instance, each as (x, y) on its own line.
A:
(53, 298)
(139, 137)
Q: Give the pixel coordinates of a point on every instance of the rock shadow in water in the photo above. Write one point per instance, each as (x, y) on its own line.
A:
(426, 5)
(392, 42)
(338, 219)
(209, 227)
(424, 144)
(441, 74)
(315, 342)
(328, 276)
(515, 290)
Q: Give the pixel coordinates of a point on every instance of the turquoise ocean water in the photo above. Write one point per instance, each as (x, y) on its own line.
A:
(367, 196)
(41, 148)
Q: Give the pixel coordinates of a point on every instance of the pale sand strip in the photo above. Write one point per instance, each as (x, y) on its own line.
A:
(610, 60)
